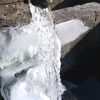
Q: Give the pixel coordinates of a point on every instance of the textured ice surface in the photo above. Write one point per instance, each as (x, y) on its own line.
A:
(30, 60)
(71, 30)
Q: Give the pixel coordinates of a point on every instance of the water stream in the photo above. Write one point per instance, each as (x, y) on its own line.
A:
(30, 59)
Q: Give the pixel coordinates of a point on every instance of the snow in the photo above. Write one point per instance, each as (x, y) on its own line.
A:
(70, 30)
(19, 92)
(35, 49)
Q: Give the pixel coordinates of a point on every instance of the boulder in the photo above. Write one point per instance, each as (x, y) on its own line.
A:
(13, 13)
(88, 13)
(68, 96)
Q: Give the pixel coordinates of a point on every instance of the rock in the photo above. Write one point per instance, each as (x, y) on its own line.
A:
(81, 66)
(55, 3)
(88, 13)
(71, 3)
(68, 96)
(2, 2)
(16, 12)
(70, 33)
(13, 13)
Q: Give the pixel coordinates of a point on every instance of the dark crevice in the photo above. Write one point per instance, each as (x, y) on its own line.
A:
(81, 65)
(39, 3)
(25, 1)
(70, 3)
(1, 98)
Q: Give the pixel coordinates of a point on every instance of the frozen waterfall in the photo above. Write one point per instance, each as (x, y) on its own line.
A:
(30, 59)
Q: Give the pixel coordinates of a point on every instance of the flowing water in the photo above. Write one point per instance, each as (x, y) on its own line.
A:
(30, 59)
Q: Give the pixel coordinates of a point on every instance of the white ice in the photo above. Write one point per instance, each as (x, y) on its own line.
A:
(36, 48)
(70, 30)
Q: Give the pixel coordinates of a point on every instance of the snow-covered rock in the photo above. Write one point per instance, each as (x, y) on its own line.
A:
(70, 33)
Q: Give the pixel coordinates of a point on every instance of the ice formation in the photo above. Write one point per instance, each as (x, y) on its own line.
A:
(71, 30)
(30, 60)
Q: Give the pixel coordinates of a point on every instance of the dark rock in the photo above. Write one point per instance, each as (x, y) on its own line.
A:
(88, 90)
(39, 3)
(1, 98)
(83, 60)
(70, 3)
(68, 96)
(81, 66)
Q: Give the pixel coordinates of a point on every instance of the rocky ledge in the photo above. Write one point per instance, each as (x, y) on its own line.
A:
(88, 13)
(13, 13)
